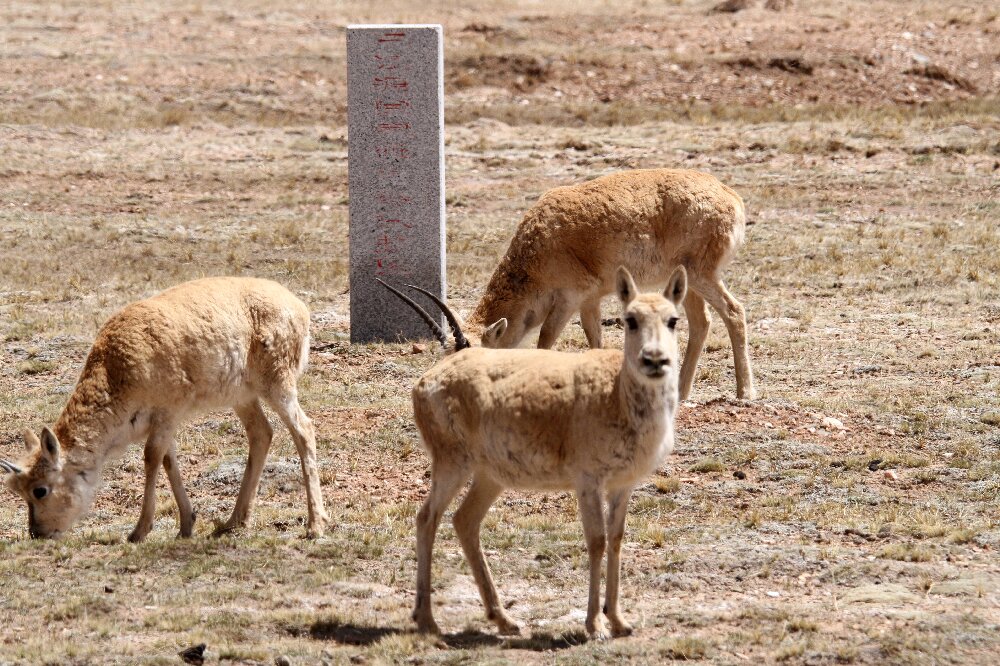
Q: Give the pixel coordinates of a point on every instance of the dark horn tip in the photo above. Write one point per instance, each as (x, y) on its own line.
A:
(461, 342)
(435, 328)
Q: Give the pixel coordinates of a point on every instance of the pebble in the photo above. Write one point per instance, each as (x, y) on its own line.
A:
(831, 423)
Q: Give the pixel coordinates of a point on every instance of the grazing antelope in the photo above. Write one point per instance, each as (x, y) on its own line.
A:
(202, 345)
(597, 423)
(563, 256)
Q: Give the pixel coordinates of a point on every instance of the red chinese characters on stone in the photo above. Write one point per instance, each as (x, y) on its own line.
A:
(394, 145)
(390, 83)
(394, 151)
(387, 62)
(388, 107)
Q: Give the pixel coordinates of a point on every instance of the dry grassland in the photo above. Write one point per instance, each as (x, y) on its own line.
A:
(142, 144)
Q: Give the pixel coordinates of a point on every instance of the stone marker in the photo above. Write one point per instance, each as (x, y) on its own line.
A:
(395, 131)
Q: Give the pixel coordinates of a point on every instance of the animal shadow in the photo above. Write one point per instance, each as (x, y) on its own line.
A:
(349, 634)
(536, 642)
(346, 633)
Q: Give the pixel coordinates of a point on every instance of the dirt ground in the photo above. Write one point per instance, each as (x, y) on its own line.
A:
(143, 144)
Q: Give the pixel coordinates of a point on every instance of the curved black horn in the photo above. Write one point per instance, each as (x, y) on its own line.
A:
(9, 467)
(435, 328)
(460, 341)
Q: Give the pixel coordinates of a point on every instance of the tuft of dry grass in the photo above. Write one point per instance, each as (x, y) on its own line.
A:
(707, 465)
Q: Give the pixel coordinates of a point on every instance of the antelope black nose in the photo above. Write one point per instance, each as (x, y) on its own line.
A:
(655, 361)
(653, 364)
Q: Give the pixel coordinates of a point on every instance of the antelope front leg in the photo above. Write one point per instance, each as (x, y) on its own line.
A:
(590, 319)
(259, 435)
(445, 484)
(592, 517)
(556, 321)
(153, 457)
(617, 509)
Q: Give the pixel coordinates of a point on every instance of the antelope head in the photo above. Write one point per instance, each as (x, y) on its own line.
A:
(650, 322)
(58, 494)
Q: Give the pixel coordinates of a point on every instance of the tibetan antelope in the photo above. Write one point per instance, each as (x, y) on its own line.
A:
(202, 345)
(597, 423)
(564, 253)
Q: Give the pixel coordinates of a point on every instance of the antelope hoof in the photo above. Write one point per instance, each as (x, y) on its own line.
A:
(427, 625)
(598, 630)
(506, 626)
(187, 529)
(316, 525)
(620, 628)
(137, 535)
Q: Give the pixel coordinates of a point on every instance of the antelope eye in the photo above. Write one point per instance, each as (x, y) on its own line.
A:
(632, 323)
(40, 492)
(672, 323)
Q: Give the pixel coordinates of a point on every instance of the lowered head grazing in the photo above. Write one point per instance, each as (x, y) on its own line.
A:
(202, 345)
(565, 251)
(57, 494)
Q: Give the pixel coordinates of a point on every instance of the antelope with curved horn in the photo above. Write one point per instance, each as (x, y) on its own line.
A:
(597, 423)
(207, 344)
(564, 254)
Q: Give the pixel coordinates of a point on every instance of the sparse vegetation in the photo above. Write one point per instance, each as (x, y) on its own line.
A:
(214, 142)
(706, 465)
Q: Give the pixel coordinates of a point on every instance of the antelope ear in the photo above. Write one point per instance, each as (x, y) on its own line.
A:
(677, 286)
(494, 332)
(30, 441)
(8, 474)
(625, 285)
(50, 447)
